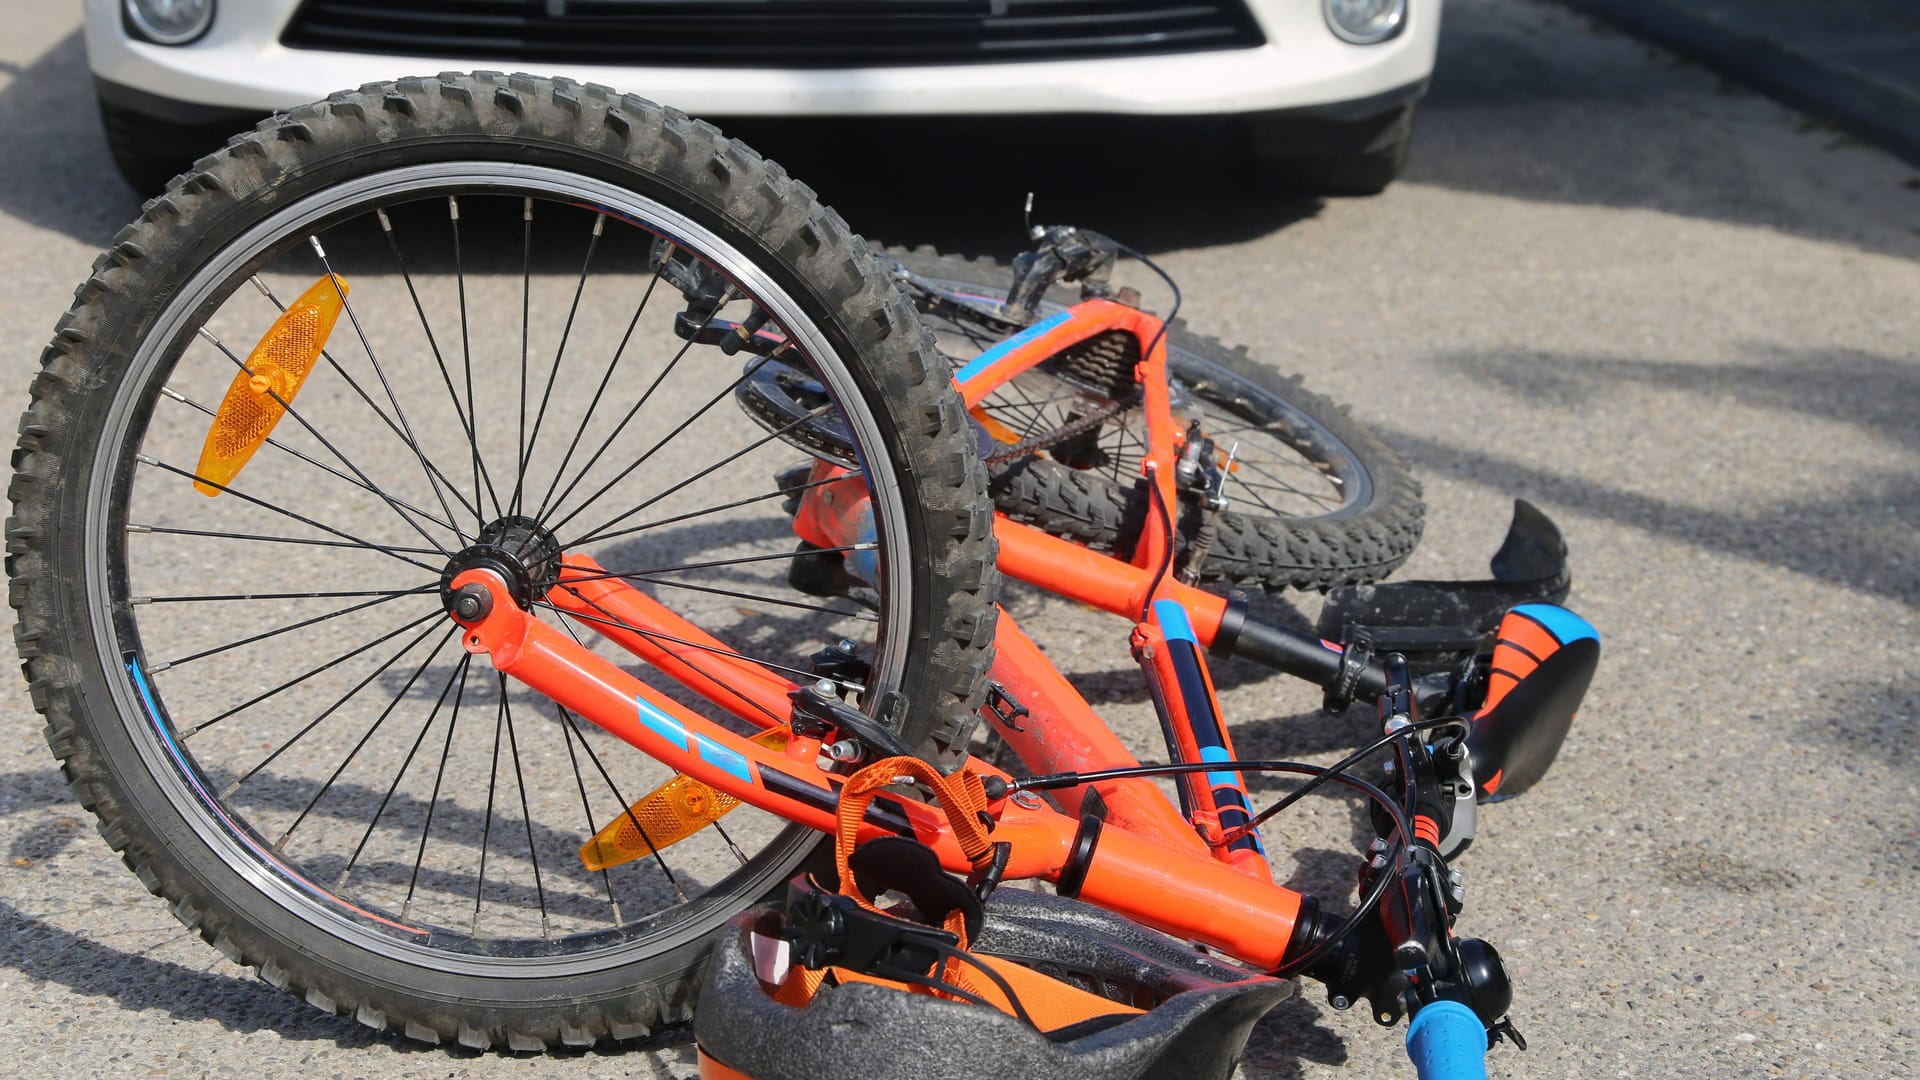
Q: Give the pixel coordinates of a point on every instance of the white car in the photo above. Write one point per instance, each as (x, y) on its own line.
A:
(1326, 88)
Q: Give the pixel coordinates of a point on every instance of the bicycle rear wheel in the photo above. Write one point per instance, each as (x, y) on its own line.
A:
(1315, 499)
(258, 693)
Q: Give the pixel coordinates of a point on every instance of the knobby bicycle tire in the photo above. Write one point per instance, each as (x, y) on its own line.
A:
(126, 387)
(1361, 534)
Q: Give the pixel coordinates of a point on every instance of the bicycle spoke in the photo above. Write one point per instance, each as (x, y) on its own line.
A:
(655, 635)
(526, 813)
(359, 391)
(566, 331)
(215, 534)
(276, 632)
(1254, 494)
(324, 713)
(586, 805)
(1236, 429)
(631, 413)
(607, 778)
(731, 846)
(145, 459)
(183, 399)
(1288, 488)
(215, 597)
(1281, 485)
(771, 436)
(526, 325)
(290, 411)
(618, 352)
(710, 676)
(439, 775)
(864, 616)
(691, 514)
(466, 422)
(466, 349)
(769, 557)
(405, 764)
(1035, 414)
(310, 673)
(413, 441)
(1120, 438)
(486, 828)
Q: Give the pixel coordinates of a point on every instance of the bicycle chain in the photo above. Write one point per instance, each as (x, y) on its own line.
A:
(1079, 425)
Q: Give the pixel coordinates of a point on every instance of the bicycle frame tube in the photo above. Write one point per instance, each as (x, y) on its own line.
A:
(1062, 733)
(832, 516)
(1189, 711)
(1009, 358)
(1120, 586)
(1170, 616)
(1149, 876)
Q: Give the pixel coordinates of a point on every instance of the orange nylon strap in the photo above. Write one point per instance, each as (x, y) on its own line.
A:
(961, 796)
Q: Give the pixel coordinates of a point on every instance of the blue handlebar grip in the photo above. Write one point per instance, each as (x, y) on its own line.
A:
(1448, 1042)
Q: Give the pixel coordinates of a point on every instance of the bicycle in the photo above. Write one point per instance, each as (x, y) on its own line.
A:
(119, 598)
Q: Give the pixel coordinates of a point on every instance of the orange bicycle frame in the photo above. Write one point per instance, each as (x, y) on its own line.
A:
(1121, 844)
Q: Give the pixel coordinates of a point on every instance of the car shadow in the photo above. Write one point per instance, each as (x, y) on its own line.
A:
(1529, 102)
(958, 183)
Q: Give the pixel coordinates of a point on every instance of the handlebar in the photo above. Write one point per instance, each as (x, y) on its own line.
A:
(1446, 1041)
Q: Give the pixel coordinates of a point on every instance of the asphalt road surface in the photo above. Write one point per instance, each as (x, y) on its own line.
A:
(1681, 319)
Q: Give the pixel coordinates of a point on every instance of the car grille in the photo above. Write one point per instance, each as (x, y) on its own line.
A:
(772, 33)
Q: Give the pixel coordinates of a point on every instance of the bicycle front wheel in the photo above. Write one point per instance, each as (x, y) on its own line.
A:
(387, 335)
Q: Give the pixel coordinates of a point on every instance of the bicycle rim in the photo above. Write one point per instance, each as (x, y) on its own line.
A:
(279, 652)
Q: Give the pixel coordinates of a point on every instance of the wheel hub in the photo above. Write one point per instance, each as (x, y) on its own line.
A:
(519, 549)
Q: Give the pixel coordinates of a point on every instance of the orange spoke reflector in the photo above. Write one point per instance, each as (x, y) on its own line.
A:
(666, 815)
(276, 369)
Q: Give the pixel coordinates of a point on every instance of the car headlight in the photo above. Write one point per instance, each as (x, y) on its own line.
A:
(1366, 22)
(167, 22)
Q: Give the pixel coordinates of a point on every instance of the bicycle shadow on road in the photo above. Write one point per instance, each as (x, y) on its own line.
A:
(1858, 534)
(42, 951)
(242, 1005)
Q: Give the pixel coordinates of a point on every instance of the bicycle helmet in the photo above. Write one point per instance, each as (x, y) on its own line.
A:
(945, 986)
(1080, 994)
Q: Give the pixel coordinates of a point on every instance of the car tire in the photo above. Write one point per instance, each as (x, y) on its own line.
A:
(149, 151)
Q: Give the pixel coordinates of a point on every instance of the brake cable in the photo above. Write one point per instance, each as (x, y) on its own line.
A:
(1321, 775)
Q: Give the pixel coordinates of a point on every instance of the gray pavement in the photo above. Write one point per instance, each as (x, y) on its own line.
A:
(1674, 314)
(1852, 63)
